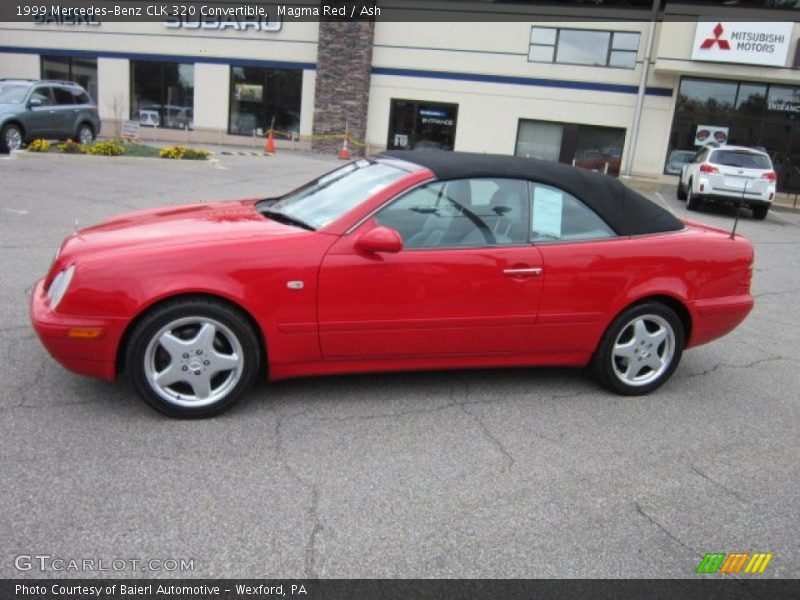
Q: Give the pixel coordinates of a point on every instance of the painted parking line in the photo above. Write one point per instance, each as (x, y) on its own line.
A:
(775, 213)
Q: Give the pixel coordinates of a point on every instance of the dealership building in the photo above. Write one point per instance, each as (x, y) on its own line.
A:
(618, 91)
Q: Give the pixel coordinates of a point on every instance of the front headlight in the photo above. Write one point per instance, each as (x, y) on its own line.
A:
(59, 286)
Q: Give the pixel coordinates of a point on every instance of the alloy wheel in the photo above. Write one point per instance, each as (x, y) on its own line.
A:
(643, 350)
(193, 362)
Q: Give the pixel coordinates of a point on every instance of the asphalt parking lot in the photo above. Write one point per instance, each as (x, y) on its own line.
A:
(507, 473)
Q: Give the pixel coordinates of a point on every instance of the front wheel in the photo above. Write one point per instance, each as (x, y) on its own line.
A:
(193, 358)
(11, 138)
(640, 350)
(85, 134)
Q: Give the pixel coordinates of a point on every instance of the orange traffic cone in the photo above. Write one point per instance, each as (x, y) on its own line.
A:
(269, 147)
(344, 153)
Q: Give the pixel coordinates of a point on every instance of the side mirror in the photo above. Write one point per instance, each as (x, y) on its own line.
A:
(34, 102)
(380, 239)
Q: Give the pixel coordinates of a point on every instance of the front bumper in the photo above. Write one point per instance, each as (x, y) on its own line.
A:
(93, 357)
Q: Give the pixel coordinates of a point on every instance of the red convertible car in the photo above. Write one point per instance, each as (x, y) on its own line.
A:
(410, 260)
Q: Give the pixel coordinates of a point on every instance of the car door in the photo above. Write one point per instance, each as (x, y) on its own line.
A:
(66, 113)
(466, 282)
(587, 267)
(40, 118)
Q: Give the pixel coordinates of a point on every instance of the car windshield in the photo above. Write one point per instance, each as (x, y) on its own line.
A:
(12, 94)
(741, 159)
(323, 201)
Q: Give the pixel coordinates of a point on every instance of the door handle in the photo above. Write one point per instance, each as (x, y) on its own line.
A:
(522, 271)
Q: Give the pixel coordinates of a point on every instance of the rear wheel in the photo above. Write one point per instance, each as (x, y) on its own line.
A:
(193, 358)
(11, 138)
(692, 203)
(640, 350)
(680, 192)
(760, 212)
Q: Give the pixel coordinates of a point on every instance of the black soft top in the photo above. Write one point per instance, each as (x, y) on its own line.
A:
(626, 211)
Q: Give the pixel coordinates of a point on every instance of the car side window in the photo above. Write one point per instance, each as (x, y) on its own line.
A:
(43, 95)
(62, 96)
(79, 97)
(460, 213)
(558, 216)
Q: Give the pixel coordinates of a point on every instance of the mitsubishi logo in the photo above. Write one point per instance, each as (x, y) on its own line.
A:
(709, 43)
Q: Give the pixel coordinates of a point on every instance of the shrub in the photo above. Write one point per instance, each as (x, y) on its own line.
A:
(106, 148)
(39, 145)
(71, 147)
(183, 153)
(194, 154)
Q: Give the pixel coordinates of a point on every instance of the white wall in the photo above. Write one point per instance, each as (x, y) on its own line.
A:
(113, 88)
(211, 95)
(26, 66)
(307, 102)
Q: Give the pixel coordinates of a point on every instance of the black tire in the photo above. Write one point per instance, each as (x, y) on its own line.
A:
(84, 129)
(692, 203)
(193, 357)
(11, 130)
(760, 212)
(607, 363)
(680, 191)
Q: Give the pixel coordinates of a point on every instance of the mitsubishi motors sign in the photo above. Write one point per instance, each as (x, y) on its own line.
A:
(743, 43)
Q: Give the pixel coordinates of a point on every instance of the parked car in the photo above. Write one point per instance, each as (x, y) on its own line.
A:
(46, 109)
(409, 260)
(729, 174)
(677, 159)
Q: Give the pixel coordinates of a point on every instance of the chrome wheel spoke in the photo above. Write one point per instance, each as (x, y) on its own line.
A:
(223, 362)
(654, 362)
(204, 339)
(640, 333)
(174, 346)
(625, 350)
(201, 384)
(172, 374)
(656, 338)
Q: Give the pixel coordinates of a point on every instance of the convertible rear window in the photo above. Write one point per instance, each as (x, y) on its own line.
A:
(741, 159)
(323, 201)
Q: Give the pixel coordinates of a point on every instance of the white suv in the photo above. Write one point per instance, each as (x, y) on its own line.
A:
(729, 174)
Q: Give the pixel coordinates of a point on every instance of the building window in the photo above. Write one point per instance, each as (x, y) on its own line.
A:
(162, 94)
(82, 71)
(583, 47)
(587, 146)
(754, 114)
(417, 124)
(261, 98)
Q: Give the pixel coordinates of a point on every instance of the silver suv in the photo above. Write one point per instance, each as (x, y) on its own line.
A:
(32, 109)
(729, 174)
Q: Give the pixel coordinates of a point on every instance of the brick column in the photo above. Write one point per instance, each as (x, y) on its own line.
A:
(344, 61)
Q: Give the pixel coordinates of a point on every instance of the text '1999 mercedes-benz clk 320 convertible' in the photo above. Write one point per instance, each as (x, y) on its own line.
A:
(406, 261)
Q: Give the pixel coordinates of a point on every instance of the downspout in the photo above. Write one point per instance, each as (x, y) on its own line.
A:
(637, 115)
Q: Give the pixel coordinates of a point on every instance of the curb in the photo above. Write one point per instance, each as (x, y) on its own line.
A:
(119, 160)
